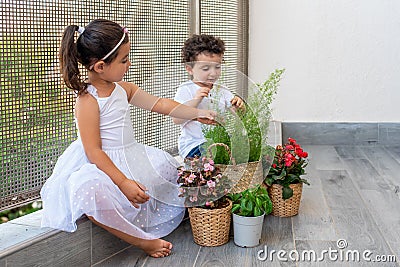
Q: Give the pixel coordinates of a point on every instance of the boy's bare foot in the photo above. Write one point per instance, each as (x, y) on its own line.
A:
(156, 248)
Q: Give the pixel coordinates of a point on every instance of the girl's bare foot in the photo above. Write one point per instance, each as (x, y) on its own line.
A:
(156, 248)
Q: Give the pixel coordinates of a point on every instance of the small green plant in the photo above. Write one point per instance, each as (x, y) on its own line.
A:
(251, 202)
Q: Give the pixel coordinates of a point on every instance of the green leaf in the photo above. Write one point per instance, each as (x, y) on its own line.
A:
(257, 212)
(269, 181)
(250, 205)
(287, 192)
(235, 208)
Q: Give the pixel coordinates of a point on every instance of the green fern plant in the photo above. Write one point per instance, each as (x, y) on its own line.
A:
(246, 130)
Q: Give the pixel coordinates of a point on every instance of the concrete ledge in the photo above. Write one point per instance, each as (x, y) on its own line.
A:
(23, 237)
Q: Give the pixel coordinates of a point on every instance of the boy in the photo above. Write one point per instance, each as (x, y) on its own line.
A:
(203, 56)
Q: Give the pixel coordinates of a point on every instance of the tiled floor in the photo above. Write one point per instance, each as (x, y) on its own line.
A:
(350, 209)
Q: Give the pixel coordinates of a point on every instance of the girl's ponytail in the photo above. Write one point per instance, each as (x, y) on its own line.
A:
(68, 56)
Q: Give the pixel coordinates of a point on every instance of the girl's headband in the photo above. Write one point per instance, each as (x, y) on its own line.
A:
(125, 30)
(117, 45)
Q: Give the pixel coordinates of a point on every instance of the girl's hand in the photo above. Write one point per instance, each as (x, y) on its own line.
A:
(207, 117)
(134, 192)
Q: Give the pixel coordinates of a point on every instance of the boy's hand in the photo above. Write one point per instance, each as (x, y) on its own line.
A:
(202, 92)
(134, 192)
(204, 89)
(237, 102)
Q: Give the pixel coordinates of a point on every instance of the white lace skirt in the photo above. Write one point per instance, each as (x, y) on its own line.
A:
(78, 187)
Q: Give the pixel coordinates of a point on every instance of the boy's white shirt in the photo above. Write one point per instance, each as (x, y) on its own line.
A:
(191, 131)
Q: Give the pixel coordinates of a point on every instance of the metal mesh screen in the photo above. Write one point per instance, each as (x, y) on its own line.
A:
(159, 30)
(36, 108)
(228, 20)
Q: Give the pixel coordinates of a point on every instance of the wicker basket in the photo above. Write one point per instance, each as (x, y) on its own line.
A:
(243, 175)
(288, 207)
(210, 227)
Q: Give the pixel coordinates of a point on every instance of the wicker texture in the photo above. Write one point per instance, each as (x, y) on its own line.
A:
(210, 227)
(288, 207)
(243, 175)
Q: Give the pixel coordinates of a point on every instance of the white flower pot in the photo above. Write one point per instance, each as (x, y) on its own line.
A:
(247, 230)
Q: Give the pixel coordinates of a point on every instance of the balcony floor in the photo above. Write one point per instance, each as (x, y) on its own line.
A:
(354, 196)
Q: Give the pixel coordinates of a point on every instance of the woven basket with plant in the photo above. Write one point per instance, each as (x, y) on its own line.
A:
(204, 188)
(284, 178)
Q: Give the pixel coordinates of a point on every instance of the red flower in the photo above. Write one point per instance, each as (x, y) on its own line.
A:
(289, 147)
(292, 141)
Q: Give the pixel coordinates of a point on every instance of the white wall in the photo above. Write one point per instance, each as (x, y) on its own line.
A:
(342, 58)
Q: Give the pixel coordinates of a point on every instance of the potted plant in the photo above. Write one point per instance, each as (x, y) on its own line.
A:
(205, 188)
(245, 132)
(284, 180)
(249, 209)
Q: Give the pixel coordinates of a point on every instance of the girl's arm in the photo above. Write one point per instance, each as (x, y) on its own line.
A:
(87, 114)
(142, 99)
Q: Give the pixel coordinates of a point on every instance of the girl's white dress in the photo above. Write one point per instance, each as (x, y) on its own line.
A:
(77, 187)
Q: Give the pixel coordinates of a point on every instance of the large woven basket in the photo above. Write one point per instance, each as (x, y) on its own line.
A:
(288, 207)
(243, 175)
(210, 227)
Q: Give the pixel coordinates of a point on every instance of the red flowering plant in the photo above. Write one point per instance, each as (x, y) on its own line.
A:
(288, 165)
(203, 184)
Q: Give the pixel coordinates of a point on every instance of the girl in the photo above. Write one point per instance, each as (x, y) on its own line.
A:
(98, 174)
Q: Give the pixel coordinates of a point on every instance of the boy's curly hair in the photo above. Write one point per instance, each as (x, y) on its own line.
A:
(200, 43)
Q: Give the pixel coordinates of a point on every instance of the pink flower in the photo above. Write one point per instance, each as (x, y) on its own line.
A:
(208, 167)
(211, 162)
(191, 178)
(208, 203)
(211, 184)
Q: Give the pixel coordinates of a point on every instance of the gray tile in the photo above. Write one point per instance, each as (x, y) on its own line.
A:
(130, 257)
(331, 133)
(184, 251)
(389, 133)
(311, 253)
(323, 157)
(105, 244)
(225, 255)
(277, 235)
(314, 220)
